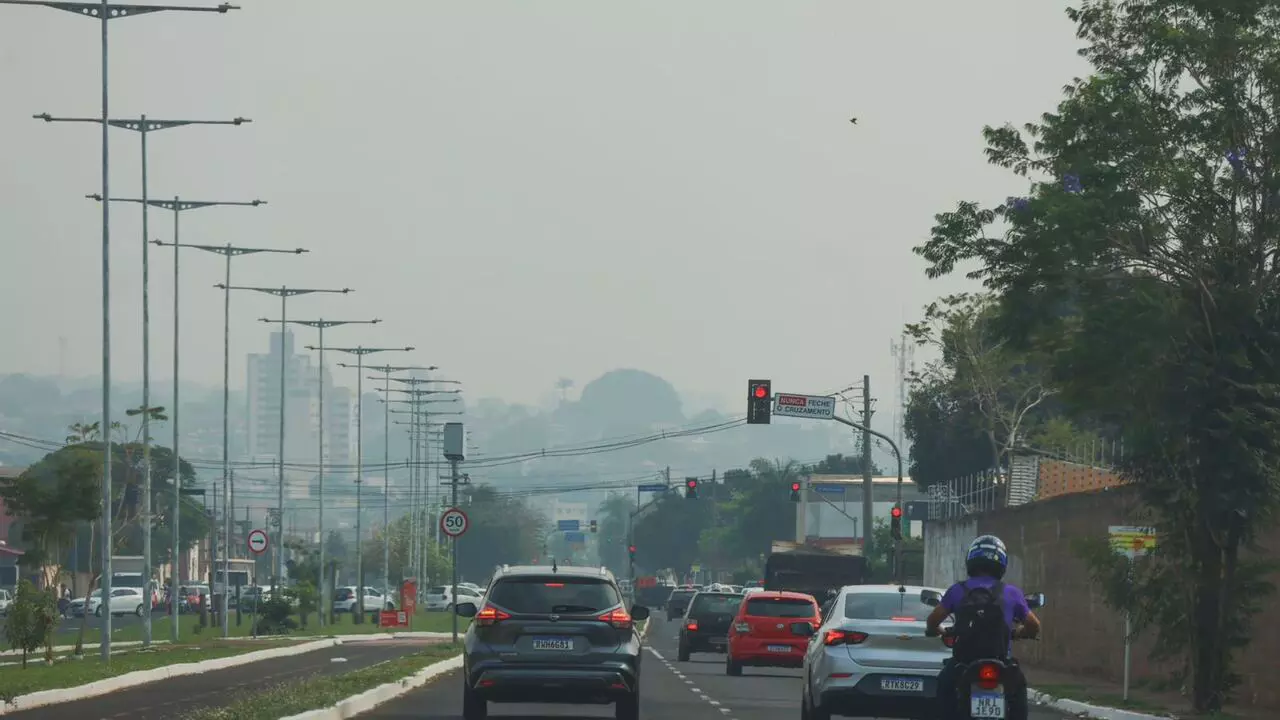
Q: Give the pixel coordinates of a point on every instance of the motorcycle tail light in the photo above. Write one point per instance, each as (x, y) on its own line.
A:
(949, 640)
(988, 676)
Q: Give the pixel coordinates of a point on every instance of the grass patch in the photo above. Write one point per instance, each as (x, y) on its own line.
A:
(70, 672)
(1080, 693)
(318, 691)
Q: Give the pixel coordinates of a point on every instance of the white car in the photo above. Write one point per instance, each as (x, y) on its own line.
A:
(344, 600)
(440, 597)
(124, 600)
(5, 601)
(870, 656)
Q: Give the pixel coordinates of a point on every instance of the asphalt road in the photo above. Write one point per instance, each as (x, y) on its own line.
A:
(670, 690)
(172, 698)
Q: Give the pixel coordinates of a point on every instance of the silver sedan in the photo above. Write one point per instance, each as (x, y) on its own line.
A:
(870, 657)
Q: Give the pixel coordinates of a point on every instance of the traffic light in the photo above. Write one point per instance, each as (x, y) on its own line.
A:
(759, 401)
(795, 492)
(691, 488)
(631, 549)
(895, 522)
(594, 526)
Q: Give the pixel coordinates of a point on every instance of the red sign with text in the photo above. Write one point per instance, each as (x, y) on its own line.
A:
(393, 618)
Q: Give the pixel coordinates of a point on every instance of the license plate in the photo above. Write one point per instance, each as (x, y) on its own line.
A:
(779, 648)
(986, 704)
(893, 684)
(552, 643)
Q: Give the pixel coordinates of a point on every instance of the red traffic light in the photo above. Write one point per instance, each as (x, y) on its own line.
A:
(897, 512)
(632, 548)
(692, 482)
(760, 391)
(795, 487)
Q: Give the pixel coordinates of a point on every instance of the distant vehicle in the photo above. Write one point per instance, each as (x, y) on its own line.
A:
(705, 627)
(124, 601)
(678, 602)
(761, 633)
(552, 635)
(813, 572)
(345, 600)
(6, 600)
(440, 597)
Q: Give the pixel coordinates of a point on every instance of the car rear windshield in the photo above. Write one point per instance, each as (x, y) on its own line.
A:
(715, 604)
(885, 606)
(551, 594)
(439, 590)
(681, 595)
(344, 594)
(780, 608)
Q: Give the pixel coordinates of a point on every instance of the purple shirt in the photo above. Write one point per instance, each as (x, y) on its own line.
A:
(1015, 603)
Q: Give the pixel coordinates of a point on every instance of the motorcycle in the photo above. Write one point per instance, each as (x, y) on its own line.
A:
(980, 684)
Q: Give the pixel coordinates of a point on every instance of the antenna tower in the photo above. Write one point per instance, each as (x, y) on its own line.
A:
(904, 352)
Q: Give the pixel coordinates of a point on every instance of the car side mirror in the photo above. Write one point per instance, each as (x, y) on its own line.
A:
(803, 629)
(1036, 600)
(465, 609)
(932, 598)
(639, 612)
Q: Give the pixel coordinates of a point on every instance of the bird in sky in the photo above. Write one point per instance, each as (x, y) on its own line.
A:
(853, 120)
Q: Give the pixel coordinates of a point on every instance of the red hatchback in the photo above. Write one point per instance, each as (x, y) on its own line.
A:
(761, 633)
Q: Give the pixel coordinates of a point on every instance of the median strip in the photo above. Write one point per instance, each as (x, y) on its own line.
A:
(341, 696)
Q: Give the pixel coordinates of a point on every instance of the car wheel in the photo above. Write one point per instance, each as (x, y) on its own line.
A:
(98, 612)
(474, 707)
(732, 668)
(683, 652)
(628, 708)
(139, 611)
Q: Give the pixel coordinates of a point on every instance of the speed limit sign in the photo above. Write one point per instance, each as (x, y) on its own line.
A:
(453, 522)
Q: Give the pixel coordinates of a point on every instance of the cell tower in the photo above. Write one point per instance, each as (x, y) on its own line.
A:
(904, 352)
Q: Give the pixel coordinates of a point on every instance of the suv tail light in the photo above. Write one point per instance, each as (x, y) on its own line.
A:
(692, 626)
(619, 618)
(490, 615)
(843, 637)
(988, 676)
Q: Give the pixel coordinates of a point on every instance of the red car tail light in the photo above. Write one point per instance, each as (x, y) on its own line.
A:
(988, 676)
(490, 616)
(619, 618)
(843, 637)
(692, 626)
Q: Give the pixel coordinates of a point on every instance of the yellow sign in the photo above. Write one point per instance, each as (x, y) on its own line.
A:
(1132, 541)
(696, 568)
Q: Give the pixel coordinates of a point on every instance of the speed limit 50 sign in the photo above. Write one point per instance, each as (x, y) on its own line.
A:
(453, 522)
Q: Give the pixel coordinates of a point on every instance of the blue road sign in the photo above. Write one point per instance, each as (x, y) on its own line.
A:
(655, 487)
(568, 525)
(828, 489)
(575, 538)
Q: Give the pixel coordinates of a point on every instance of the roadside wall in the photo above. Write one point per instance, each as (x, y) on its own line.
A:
(1082, 635)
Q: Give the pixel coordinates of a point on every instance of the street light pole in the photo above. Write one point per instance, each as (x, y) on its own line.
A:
(105, 11)
(142, 125)
(360, 351)
(284, 293)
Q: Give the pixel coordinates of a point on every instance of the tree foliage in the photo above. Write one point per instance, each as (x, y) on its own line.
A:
(31, 621)
(1143, 265)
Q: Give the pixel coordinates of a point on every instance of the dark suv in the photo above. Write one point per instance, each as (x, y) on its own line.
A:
(706, 624)
(552, 635)
(678, 602)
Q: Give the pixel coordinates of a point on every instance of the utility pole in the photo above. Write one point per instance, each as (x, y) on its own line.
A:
(454, 452)
(104, 12)
(360, 351)
(867, 482)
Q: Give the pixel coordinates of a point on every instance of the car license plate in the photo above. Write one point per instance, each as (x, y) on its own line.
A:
(894, 684)
(986, 704)
(553, 643)
(779, 648)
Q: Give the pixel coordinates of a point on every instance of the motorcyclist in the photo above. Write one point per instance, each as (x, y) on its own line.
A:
(986, 563)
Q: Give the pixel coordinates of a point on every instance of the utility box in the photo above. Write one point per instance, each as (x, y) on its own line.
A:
(454, 441)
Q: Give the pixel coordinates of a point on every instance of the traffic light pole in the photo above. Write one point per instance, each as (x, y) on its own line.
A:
(897, 552)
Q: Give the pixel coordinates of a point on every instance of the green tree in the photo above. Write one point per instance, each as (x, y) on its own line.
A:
(51, 498)
(502, 529)
(1142, 263)
(31, 620)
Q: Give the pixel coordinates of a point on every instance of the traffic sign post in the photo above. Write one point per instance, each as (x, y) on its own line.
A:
(258, 542)
(454, 522)
(569, 525)
(1133, 542)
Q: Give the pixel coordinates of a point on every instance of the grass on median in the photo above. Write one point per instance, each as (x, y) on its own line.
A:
(319, 691)
(67, 673)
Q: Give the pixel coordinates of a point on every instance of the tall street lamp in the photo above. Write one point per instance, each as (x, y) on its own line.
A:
(142, 125)
(360, 351)
(321, 324)
(284, 293)
(415, 383)
(105, 11)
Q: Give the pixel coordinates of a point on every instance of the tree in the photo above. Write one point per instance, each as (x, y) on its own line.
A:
(31, 621)
(1143, 265)
(502, 530)
(51, 498)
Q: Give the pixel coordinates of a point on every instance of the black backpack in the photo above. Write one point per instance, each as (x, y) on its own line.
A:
(980, 628)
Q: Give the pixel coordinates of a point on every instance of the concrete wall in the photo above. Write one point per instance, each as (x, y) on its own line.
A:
(1082, 635)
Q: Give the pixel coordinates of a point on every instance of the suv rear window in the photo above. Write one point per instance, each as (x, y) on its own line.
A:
(551, 594)
(885, 606)
(681, 595)
(345, 594)
(780, 608)
(716, 604)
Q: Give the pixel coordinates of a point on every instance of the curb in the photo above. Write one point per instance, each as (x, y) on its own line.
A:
(142, 677)
(91, 642)
(369, 699)
(1087, 710)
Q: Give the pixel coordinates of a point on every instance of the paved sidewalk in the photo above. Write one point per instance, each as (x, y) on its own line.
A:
(1141, 699)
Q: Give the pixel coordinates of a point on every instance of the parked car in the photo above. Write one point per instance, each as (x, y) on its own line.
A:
(440, 597)
(870, 655)
(124, 600)
(552, 635)
(6, 599)
(761, 633)
(706, 625)
(344, 600)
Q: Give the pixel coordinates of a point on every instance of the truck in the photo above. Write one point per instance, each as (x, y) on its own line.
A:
(813, 571)
(130, 571)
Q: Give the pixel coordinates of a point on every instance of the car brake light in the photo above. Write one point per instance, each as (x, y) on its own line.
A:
(619, 618)
(692, 626)
(903, 619)
(742, 627)
(843, 637)
(949, 640)
(490, 616)
(988, 676)
(553, 585)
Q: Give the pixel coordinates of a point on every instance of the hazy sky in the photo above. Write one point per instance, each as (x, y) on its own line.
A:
(523, 190)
